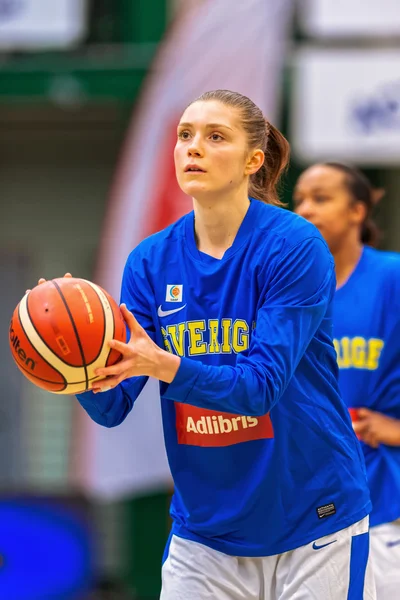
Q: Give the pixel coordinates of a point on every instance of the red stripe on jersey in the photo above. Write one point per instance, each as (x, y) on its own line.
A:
(210, 428)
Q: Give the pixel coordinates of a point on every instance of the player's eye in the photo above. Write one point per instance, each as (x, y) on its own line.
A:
(216, 137)
(184, 134)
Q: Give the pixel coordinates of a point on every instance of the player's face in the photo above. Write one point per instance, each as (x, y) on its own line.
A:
(321, 197)
(211, 150)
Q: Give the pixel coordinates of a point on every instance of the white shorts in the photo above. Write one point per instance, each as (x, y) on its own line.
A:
(385, 554)
(335, 567)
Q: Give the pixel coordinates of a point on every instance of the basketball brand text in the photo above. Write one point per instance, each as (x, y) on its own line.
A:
(15, 343)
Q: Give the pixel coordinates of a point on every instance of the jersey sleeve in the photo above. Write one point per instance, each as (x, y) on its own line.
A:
(294, 303)
(111, 408)
(384, 394)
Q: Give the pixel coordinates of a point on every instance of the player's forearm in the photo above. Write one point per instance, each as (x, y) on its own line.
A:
(391, 433)
(242, 390)
(167, 366)
(111, 407)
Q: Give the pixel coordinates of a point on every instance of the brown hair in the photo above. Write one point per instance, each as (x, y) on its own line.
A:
(361, 190)
(261, 134)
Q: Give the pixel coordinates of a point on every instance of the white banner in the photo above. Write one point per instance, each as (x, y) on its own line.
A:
(346, 105)
(342, 18)
(213, 44)
(41, 24)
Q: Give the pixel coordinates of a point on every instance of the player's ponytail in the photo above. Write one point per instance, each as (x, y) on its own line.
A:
(261, 134)
(263, 184)
(370, 233)
(361, 190)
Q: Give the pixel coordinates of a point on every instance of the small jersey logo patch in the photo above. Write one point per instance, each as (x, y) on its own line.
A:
(166, 313)
(174, 293)
(315, 547)
(326, 511)
(210, 428)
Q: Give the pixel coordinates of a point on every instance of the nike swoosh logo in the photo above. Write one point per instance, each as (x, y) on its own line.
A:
(165, 313)
(391, 544)
(322, 545)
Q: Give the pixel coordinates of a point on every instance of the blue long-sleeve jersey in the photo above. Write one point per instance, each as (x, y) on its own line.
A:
(259, 442)
(367, 340)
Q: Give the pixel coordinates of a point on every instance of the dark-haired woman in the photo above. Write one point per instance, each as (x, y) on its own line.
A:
(230, 308)
(339, 200)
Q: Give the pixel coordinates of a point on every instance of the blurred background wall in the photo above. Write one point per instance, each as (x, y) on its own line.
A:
(64, 107)
(71, 74)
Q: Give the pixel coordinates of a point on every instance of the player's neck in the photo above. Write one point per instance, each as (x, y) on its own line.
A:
(346, 259)
(217, 223)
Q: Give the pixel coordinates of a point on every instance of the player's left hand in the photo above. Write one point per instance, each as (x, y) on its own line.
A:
(375, 428)
(140, 356)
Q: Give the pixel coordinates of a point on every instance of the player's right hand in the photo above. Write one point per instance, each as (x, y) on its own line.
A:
(42, 280)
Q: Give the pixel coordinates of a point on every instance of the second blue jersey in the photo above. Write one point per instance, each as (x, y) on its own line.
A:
(259, 442)
(367, 340)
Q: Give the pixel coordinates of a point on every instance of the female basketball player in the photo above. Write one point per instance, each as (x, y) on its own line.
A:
(230, 309)
(366, 322)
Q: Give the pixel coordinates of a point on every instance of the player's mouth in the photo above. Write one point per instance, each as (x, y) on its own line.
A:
(193, 168)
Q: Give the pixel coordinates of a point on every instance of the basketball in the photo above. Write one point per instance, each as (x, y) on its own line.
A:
(59, 334)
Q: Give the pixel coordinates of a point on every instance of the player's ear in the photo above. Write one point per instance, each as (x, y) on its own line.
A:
(359, 211)
(254, 162)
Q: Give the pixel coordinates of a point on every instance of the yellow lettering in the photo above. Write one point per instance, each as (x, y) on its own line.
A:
(196, 343)
(358, 346)
(177, 333)
(226, 325)
(240, 336)
(375, 347)
(213, 346)
(358, 352)
(166, 342)
(212, 337)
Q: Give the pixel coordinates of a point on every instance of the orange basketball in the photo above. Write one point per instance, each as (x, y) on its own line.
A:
(59, 334)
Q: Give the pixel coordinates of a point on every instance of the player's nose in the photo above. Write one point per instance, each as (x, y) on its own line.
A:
(195, 147)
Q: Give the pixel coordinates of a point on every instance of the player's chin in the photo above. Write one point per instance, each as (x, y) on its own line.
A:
(330, 239)
(192, 188)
